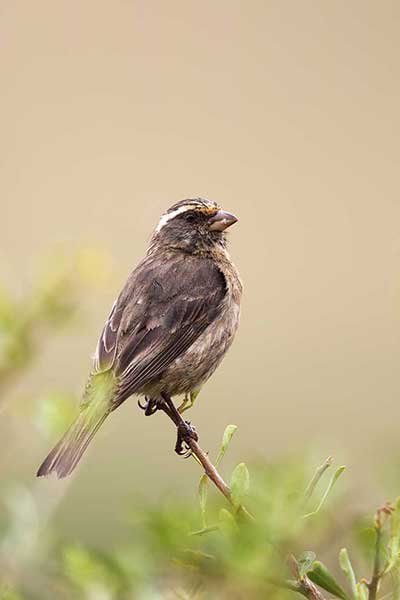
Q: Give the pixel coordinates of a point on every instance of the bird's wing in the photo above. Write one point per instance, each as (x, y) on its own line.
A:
(164, 307)
(107, 345)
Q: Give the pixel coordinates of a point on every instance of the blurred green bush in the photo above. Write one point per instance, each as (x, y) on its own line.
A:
(208, 550)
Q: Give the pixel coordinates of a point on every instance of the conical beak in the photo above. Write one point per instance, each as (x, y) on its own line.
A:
(221, 220)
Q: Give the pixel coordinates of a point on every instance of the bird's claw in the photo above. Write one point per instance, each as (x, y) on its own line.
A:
(186, 432)
(150, 406)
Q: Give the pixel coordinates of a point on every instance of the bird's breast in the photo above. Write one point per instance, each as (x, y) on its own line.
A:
(192, 369)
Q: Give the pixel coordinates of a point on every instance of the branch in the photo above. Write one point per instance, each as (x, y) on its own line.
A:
(209, 469)
(213, 474)
(305, 587)
(376, 576)
(302, 585)
(309, 589)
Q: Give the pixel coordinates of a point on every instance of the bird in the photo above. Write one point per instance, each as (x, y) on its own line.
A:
(167, 332)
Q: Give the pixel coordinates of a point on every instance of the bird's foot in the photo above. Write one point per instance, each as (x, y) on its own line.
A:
(185, 432)
(149, 406)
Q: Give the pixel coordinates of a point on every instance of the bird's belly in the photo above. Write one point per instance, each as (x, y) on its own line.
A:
(189, 371)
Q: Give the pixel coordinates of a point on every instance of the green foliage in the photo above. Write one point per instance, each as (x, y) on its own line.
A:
(269, 543)
(51, 304)
(394, 540)
(203, 494)
(93, 574)
(240, 484)
(332, 482)
(226, 440)
(8, 593)
(305, 563)
(321, 575)
(53, 412)
(347, 568)
(227, 522)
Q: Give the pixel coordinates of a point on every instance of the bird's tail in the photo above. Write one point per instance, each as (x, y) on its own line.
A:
(64, 457)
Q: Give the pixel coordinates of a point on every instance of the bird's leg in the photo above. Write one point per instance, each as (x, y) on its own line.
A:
(188, 402)
(184, 429)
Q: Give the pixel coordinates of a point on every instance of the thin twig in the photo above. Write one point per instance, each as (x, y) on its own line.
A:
(209, 469)
(206, 530)
(303, 585)
(376, 576)
(202, 458)
(212, 473)
(309, 589)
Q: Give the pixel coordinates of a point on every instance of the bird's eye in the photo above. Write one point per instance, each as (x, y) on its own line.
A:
(190, 217)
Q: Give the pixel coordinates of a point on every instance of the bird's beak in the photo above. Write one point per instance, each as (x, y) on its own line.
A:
(221, 220)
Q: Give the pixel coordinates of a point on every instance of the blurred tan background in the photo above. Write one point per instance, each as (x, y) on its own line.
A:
(287, 113)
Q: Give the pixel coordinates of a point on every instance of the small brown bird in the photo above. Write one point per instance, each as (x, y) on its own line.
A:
(167, 331)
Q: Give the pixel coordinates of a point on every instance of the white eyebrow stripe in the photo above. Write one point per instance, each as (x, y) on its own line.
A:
(168, 216)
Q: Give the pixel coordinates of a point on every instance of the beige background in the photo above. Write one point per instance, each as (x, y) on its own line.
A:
(285, 112)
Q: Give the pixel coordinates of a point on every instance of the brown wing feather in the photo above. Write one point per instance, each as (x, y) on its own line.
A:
(107, 345)
(162, 310)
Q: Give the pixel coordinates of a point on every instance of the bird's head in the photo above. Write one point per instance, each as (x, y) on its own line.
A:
(193, 225)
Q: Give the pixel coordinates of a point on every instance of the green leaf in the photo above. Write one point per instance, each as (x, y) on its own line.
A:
(203, 493)
(240, 484)
(197, 556)
(305, 562)
(396, 585)
(229, 432)
(316, 477)
(204, 531)
(347, 568)
(332, 482)
(322, 577)
(394, 539)
(227, 521)
(363, 591)
(366, 541)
